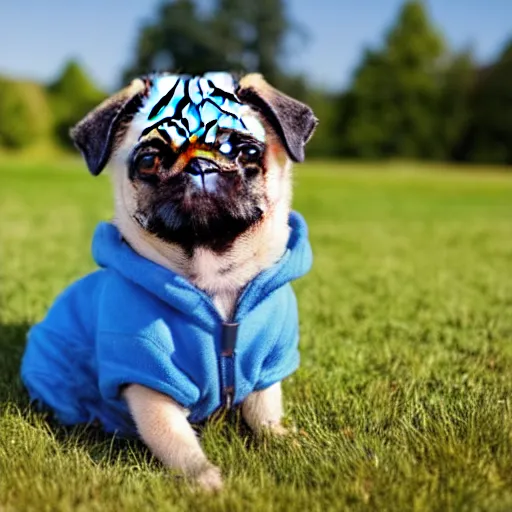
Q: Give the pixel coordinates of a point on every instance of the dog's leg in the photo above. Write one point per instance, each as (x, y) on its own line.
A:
(263, 410)
(164, 428)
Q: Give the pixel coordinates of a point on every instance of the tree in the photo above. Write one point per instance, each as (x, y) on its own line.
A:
(72, 96)
(457, 85)
(25, 116)
(326, 106)
(395, 92)
(236, 35)
(181, 39)
(488, 137)
(266, 27)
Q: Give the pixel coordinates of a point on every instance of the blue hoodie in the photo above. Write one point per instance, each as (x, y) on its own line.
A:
(134, 321)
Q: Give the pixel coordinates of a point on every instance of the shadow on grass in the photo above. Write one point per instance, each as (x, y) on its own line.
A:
(12, 345)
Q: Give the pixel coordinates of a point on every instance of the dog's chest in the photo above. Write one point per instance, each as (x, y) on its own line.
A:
(225, 302)
(223, 277)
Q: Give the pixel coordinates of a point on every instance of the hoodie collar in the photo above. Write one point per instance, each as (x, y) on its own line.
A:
(295, 262)
(111, 251)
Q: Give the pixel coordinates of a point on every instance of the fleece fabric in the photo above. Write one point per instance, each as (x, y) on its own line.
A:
(133, 321)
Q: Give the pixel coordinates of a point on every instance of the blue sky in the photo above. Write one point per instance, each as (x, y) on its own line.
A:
(37, 36)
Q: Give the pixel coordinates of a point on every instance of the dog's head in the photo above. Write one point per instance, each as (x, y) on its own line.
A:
(197, 160)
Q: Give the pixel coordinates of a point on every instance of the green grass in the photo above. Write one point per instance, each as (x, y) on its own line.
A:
(403, 398)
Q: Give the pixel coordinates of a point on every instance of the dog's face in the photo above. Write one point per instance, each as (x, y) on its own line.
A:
(199, 160)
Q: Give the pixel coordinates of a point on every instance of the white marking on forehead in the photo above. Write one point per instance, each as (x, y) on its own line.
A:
(184, 108)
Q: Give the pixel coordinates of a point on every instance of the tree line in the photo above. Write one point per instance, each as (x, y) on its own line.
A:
(32, 114)
(411, 97)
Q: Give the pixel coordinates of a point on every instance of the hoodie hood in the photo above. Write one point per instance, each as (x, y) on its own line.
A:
(110, 251)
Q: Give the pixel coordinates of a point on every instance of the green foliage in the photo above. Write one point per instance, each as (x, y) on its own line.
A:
(454, 115)
(402, 400)
(31, 113)
(413, 99)
(181, 38)
(235, 36)
(72, 96)
(488, 137)
(325, 141)
(25, 117)
(263, 27)
(395, 92)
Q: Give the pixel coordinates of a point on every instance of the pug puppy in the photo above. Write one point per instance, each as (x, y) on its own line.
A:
(201, 170)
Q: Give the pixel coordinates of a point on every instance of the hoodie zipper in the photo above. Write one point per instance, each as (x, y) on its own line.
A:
(227, 363)
(226, 359)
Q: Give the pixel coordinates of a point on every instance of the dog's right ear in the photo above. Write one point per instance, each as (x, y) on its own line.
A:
(96, 133)
(292, 120)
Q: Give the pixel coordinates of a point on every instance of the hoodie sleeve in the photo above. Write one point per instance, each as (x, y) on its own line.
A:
(135, 346)
(130, 359)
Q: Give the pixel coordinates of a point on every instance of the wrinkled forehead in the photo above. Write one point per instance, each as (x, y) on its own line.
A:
(185, 109)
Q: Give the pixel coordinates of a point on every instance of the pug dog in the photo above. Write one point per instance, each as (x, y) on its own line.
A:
(192, 310)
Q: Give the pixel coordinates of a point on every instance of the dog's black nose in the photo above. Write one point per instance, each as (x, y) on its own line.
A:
(198, 166)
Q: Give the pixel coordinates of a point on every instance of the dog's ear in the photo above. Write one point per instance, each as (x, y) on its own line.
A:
(96, 133)
(293, 121)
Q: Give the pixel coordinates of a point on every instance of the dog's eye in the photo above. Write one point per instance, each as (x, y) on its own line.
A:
(148, 164)
(250, 152)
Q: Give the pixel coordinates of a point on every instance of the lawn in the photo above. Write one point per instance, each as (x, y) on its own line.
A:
(403, 398)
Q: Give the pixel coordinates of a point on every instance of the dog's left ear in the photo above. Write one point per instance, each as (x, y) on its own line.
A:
(96, 133)
(293, 121)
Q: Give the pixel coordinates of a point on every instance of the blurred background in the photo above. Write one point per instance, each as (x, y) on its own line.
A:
(388, 79)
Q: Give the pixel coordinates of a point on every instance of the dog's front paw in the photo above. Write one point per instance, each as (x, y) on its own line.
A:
(279, 430)
(209, 479)
(275, 430)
